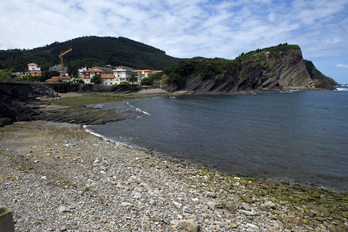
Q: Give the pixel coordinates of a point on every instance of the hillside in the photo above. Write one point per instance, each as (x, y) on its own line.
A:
(276, 68)
(89, 51)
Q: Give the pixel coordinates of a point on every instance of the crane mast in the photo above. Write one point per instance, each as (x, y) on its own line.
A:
(62, 54)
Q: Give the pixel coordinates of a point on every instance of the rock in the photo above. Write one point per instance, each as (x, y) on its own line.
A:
(228, 206)
(175, 222)
(247, 199)
(272, 229)
(137, 195)
(252, 227)
(211, 194)
(189, 226)
(187, 210)
(211, 205)
(278, 212)
(63, 209)
(247, 213)
(246, 206)
(126, 204)
(337, 228)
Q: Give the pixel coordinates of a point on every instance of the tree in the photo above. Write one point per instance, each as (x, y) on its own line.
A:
(132, 78)
(96, 79)
(146, 81)
(6, 74)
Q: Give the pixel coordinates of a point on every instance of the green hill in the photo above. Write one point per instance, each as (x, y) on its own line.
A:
(89, 51)
(280, 67)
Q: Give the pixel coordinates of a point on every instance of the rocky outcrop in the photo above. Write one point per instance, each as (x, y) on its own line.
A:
(18, 101)
(276, 68)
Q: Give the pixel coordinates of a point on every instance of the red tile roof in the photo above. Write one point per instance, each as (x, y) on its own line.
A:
(58, 78)
(107, 76)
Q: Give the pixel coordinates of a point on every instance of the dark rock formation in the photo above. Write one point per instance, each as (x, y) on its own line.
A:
(276, 68)
(18, 101)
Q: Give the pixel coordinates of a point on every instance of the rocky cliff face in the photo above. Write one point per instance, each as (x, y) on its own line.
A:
(275, 68)
(18, 101)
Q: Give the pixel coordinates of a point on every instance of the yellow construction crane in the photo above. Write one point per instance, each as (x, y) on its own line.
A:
(62, 54)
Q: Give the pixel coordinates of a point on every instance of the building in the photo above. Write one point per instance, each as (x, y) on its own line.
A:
(57, 79)
(63, 71)
(145, 73)
(108, 79)
(34, 69)
(87, 75)
(122, 73)
(80, 72)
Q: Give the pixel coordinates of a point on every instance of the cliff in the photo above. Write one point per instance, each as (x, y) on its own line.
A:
(275, 68)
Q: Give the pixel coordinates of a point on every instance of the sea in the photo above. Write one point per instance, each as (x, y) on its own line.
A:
(295, 136)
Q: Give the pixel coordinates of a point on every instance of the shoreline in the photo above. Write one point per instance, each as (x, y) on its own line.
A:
(244, 174)
(93, 184)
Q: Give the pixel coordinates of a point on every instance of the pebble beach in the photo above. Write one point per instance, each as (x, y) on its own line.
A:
(58, 177)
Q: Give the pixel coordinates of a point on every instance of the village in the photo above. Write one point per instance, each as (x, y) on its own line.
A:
(109, 75)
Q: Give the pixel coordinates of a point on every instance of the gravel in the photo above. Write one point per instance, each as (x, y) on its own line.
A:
(58, 177)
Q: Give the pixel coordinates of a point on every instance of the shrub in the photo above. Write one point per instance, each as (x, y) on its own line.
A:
(146, 81)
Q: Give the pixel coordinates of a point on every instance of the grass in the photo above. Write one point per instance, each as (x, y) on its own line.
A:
(86, 99)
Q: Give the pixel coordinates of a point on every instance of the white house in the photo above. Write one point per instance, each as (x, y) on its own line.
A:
(80, 70)
(34, 69)
(122, 74)
(108, 79)
(87, 75)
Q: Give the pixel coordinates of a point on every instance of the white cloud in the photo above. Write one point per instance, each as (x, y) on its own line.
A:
(342, 65)
(181, 28)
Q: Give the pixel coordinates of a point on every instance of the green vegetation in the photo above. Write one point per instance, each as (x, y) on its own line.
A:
(96, 79)
(233, 71)
(146, 81)
(6, 74)
(132, 79)
(86, 99)
(260, 53)
(88, 52)
(205, 69)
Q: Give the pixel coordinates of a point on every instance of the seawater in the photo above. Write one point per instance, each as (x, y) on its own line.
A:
(297, 136)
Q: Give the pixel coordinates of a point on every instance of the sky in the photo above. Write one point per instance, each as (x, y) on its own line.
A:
(188, 28)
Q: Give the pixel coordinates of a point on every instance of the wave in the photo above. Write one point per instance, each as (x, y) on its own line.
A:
(137, 109)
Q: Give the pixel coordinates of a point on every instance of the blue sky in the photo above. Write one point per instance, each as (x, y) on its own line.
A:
(188, 28)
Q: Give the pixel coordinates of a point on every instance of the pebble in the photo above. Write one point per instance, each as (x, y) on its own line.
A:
(63, 209)
(104, 186)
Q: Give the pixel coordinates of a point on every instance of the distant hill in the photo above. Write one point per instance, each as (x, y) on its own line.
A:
(89, 51)
(280, 67)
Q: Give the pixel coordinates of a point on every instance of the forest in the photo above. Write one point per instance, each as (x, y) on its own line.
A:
(88, 52)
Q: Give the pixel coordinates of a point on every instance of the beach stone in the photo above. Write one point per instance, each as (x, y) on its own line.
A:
(228, 206)
(247, 213)
(246, 206)
(126, 204)
(187, 210)
(137, 195)
(63, 209)
(189, 226)
(211, 205)
(211, 194)
(175, 222)
(252, 227)
(278, 212)
(247, 199)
